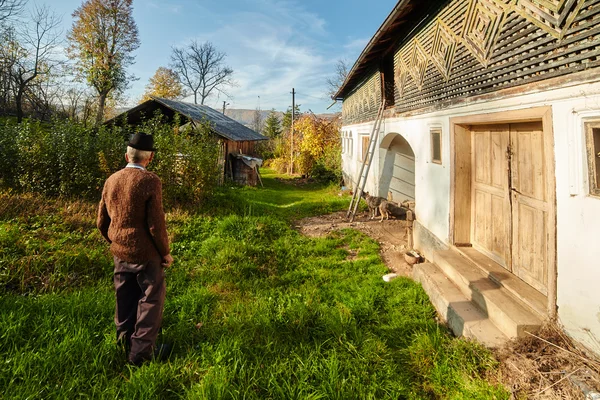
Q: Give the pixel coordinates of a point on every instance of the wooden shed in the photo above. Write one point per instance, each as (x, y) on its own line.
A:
(236, 139)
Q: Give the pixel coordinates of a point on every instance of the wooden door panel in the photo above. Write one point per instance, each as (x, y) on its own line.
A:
(481, 154)
(529, 169)
(500, 242)
(530, 246)
(490, 228)
(498, 161)
(530, 206)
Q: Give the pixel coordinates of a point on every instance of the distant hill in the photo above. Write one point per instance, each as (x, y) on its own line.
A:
(246, 117)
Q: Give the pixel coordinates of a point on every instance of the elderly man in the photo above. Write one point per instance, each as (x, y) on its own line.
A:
(132, 220)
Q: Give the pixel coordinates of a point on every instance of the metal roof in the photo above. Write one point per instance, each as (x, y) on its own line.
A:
(222, 125)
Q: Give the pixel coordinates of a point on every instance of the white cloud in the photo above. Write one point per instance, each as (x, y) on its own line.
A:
(272, 46)
(356, 44)
(164, 6)
(273, 49)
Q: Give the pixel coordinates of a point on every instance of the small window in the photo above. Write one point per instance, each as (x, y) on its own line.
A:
(350, 143)
(365, 148)
(593, 148)
(436, 145)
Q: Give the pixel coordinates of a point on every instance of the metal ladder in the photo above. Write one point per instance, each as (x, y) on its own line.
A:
(364, 172)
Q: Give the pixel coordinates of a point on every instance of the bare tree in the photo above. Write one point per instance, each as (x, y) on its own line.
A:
(342, 67)
(32, 56)
(71, 100)
(257, 120)
(10, 8)
(8, 58)
(201, 69)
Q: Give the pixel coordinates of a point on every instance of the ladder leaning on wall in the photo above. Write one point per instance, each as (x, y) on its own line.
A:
(366, 165)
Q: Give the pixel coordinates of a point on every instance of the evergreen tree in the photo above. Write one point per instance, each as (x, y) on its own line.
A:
(272, 127)
(287, 117)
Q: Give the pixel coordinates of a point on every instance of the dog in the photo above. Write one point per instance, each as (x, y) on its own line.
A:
(373, 202)
(385, 209)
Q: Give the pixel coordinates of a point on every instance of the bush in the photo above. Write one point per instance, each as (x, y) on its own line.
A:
(186, 160)
(66, 158)
(328, 167)
(63, 159)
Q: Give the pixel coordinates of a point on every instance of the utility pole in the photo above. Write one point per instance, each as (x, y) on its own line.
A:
(224, 107)
(292, 132)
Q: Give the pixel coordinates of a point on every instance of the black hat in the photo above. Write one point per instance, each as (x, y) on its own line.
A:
(142, 141)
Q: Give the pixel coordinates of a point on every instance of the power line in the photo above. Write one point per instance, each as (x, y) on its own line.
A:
(308, 95)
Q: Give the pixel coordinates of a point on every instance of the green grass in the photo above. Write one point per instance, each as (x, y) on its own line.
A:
(254, 309)
(280, 197)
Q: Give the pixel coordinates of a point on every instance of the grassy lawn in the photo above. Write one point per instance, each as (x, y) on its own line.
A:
(254, 310)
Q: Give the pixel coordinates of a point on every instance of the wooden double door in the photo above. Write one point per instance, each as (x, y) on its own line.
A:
(510, 198)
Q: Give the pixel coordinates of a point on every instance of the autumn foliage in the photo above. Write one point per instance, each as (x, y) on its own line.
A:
(317, 149)
(165, 83)
(101, 40)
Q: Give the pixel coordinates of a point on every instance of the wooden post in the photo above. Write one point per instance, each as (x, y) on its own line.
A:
(292, 132)
(258, 174)
(410, 217)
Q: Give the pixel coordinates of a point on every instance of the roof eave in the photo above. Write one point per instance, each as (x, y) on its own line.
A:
(400, 26)
(389, 21)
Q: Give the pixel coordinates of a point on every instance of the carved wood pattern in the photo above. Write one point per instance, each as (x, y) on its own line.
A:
(480, 46)
(364, 102)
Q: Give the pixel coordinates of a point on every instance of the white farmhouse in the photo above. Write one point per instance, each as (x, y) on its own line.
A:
(492, 127)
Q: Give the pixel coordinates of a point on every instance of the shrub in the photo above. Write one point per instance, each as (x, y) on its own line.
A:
(66, 158)
(186, 160)
(63, 159)
(9, 156)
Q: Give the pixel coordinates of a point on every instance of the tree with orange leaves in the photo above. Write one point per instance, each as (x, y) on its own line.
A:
(165, 83)
(102, 38)
(317, 146)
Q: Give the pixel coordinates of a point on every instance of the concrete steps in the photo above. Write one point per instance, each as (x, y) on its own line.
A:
(462, 315)
(475, 305)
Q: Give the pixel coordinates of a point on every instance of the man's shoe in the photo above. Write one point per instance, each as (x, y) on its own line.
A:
(139, 359)
(162, 351)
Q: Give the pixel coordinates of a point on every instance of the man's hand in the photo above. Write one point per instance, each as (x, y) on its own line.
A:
(167, 261)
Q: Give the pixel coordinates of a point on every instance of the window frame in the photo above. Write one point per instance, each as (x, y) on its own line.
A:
(592, 144)
(364, 139)
(432, 132)
(350, 144)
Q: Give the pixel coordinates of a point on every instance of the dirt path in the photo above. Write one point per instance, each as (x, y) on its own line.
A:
(391, 235)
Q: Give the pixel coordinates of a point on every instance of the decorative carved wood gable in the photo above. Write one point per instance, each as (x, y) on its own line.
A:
(481, 46)
(363, 103)
(554, 16)
(475, 47)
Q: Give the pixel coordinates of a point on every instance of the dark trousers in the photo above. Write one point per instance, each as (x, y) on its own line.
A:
(140, 294)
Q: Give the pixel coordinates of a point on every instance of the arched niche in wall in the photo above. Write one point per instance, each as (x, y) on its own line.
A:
(397, 169)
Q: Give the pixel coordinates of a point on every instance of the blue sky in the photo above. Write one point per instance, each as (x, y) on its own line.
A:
(271, 45)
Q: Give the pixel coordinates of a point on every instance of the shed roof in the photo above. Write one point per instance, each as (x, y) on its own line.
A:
(221, 124)
(400, 25)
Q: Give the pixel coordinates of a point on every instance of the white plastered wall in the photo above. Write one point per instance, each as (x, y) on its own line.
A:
(578, 213)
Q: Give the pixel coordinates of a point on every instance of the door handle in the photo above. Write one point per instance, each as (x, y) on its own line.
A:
(515, 191)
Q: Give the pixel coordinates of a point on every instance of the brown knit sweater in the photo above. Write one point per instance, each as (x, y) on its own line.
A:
(131, 216)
